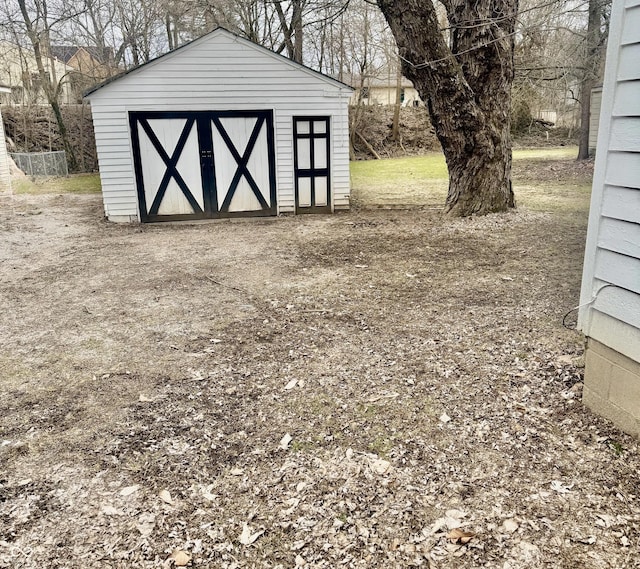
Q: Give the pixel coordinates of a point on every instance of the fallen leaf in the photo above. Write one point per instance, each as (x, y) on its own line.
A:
(146, 523)
(180, 558)
(109, 510)
(237, 472)
(206, 493)
(458, 535)
(129, 490)
(291, 384)
(560, 487)
(605, 520)
(247, 537)
(455, 514)
(509, 526)
(380, 466)
(285, 441)
(586, 540)
(444, 418)
(165, 496)
(144, 399)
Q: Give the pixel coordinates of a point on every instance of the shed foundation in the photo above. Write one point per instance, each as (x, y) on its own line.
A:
(612, 386)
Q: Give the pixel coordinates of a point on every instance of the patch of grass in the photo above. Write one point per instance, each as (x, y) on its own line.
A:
(616, 447)
(412, 181)
(73, 184)
(422, 181)
(554, 197)
(380, 445)
(557, 153)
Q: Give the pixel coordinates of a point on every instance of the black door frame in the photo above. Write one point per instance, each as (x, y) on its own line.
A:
(203, 121)
(312, 172)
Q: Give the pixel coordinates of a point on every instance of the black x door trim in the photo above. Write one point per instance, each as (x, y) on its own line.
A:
(171, 164)
(205, 122)
(242, 162)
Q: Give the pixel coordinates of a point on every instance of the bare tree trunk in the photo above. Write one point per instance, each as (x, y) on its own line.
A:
(593, 59)
(467, 90)
(395, 129)
(296, 25)
(52, 92)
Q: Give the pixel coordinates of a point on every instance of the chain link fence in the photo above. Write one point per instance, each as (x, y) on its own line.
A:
(41, 163)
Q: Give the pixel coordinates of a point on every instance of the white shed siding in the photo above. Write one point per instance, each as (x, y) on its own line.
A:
(218, 72)
(611, 280)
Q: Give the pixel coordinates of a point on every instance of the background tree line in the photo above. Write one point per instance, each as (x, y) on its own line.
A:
(555, 46)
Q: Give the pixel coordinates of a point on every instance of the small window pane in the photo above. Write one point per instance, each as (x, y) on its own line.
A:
(320, 153)
(304, 153)
(304, 127)
(319, 127)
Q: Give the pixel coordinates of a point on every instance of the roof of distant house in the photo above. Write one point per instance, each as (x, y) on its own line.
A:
(66, 52)
(378, 78)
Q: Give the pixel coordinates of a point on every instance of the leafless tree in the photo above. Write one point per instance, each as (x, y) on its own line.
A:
(466, 83)
(37, 21)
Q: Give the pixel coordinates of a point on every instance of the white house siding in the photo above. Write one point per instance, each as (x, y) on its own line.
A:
(610, 298)
(218, 72)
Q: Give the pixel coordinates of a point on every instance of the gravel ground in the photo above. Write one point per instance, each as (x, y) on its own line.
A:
(374, 389)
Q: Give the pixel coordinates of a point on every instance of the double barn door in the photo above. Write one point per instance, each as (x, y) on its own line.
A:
(196, 165)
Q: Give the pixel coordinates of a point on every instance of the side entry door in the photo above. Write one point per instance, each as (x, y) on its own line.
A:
(311, 164)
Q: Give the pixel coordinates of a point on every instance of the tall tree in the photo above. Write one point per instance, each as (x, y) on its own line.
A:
(597, 33)
(465, 80)
(38, 22)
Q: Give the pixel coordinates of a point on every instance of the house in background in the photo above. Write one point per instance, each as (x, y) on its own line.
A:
(610, 298)
(18, 68)
(380, 88)
(221, 127)
(594, 118)
(91, 65)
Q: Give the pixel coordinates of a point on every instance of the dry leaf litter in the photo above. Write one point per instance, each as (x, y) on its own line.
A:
(376, 389)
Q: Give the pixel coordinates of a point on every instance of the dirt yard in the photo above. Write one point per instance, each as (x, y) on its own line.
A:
(378, 389)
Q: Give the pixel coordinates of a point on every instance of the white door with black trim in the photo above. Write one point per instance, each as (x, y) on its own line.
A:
(194, 165)
(312, 164)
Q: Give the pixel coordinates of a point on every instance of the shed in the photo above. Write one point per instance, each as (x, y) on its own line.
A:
(221, 127)
(610, 298)
(5, 173)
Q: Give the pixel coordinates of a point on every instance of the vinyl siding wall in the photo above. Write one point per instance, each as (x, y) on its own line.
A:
(612, 257)
(218, 72)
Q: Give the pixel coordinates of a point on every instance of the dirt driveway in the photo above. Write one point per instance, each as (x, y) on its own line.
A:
(374, 389)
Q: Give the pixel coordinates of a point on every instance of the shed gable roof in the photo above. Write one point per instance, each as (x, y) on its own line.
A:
(212, 37)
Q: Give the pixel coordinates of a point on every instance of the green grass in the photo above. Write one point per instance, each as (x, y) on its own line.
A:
(413, 181)
(74, 184)
(422, 181)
